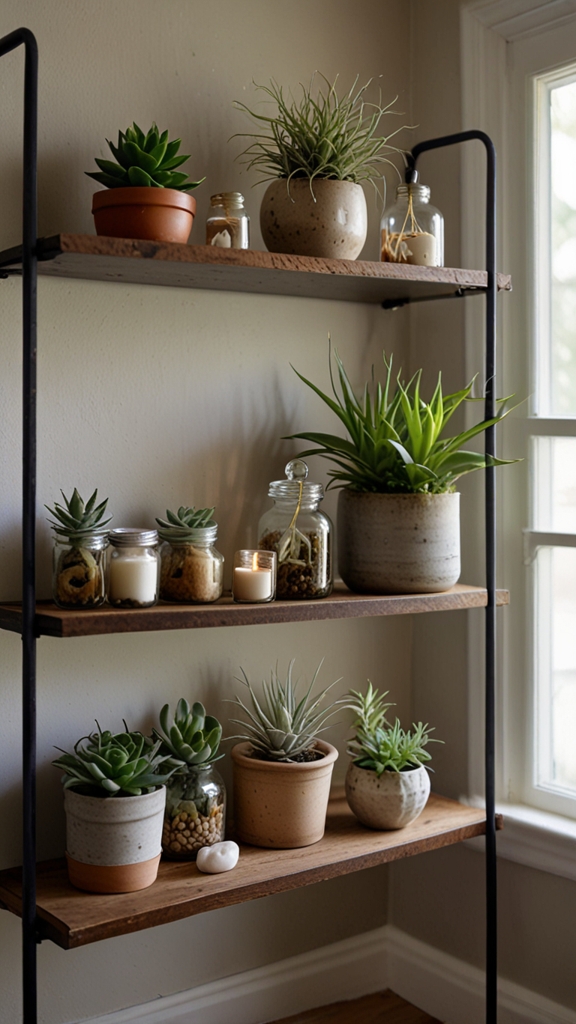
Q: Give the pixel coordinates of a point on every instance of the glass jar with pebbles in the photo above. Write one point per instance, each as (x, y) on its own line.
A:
(412, 230)
(191, 567)
(133, 568)
(300, 534)
(78, 578)
(195, 813)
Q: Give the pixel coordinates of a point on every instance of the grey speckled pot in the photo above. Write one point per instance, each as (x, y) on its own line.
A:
(398, 543)
(333, 227)
(113, 844)
(387, 801)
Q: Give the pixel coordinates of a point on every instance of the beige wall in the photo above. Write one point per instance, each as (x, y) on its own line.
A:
(161, 397)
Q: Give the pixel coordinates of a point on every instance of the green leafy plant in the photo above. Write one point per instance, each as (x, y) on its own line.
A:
(395, 438)
(106, 764)
(190, 736)
(144, 160)
(279, 726)
(77, 519)
(379, 746)
(180, 525)
(319, 135)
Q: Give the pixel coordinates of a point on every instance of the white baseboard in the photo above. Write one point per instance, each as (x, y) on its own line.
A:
(446, 987)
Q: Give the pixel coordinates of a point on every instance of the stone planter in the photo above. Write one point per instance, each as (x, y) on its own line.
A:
(113, 844)
(387, 801)
(331, 223)
(398, 543)
(281, 806)
(154, 214)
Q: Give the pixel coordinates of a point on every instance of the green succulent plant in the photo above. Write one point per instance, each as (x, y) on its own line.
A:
(279, 726)
(395, 438)
(190, 736)
(144, 160)
(107, 764)
(319, 135)
(379, 746)
(78, 519)
(180, 525)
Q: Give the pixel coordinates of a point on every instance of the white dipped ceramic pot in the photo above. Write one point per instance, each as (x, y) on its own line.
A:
(387, 801)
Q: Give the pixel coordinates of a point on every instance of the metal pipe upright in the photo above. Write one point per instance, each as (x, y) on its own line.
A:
(490, 534)
(23, 37)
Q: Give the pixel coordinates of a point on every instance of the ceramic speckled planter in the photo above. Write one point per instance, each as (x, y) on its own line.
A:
(281, 806)
(398, 543)
(387, 801)
(332, 223)
(154, 214)
(113, 844)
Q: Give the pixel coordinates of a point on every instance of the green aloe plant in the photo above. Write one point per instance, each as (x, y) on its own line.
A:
(107, 764)
(319, 135)
(396, 439)
(144, 160)
(77, 519)
(280, 726)
(379, 746)
(190, 736)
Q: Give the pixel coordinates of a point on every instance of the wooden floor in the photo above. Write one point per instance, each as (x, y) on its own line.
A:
(380, 1008)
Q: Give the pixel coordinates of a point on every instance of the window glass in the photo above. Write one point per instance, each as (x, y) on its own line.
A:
(554, 462)
(563, 249)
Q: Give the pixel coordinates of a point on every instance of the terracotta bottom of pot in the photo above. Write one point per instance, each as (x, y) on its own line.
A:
(112, 878)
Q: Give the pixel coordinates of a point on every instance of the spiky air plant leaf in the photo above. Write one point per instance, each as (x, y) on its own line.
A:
(190, 736)
(148, 160)
(396, 441)
(279, 725)
(379, 746)
(107, 764)
(76, 519)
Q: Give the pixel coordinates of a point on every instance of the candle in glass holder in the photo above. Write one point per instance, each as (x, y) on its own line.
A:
(254, 576)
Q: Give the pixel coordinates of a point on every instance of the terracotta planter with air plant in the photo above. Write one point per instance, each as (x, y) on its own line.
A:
(145, 196)
(282, 771)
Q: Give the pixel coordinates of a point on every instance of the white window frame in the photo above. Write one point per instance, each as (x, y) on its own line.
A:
(490, 71)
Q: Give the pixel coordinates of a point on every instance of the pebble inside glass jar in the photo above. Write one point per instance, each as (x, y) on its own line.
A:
(412, 230)
(191, 569)
(300, 534)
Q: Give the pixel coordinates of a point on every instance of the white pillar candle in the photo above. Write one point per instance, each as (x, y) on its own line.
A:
(133, 578)
(421, 250)
(252, 584)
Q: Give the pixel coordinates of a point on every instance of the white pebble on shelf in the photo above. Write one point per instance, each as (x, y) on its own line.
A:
(219, 857)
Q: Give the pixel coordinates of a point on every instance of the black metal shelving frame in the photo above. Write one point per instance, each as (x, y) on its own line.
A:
(30, 931)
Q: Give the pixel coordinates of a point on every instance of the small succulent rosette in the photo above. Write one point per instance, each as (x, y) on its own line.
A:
(191, 568)
(79, 562)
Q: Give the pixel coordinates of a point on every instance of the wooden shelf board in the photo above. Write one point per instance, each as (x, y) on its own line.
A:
(98, 258)
(71, 918)
(342, 604)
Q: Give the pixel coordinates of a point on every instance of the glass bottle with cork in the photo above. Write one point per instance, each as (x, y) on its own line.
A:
(300, 534)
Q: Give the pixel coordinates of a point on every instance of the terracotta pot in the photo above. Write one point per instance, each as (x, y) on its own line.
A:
(387, 801)
(331, 223)
(156, 214)
(281, 806)
(398, 543)
(113, 844)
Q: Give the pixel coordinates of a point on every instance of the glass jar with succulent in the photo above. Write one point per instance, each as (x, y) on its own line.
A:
(398, 512)
(195, 795)
(161, 209)
(114, 798)
(78, 578)
(282, 770)
(300, 534)
(317, 148)
(387, 785)
(191, 567)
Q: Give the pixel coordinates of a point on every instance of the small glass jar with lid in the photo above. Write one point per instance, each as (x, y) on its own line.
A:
(300, 534)
(195, 814)
(79, 570)
(133, 568)
(412, 230)
(191, 568)
(228, 224)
